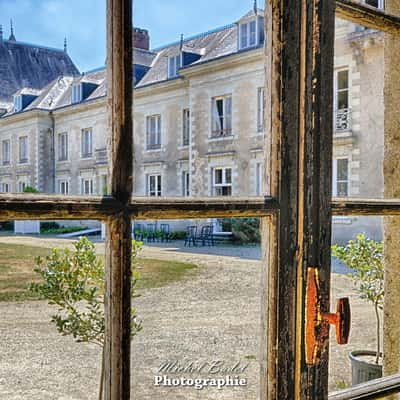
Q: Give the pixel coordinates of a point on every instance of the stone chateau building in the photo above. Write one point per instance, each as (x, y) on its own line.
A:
(199, 107)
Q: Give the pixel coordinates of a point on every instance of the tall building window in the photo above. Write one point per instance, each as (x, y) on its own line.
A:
(86, 143)
(222, 181)
(86, 186)
(174, 63)
(221, 116)
(185, 183)
(63, 147)
(6, 151)
(104, 184)
(76, 93)
(153, 185)
(341, 177)
(63, 186)
(248, 34)
(186, 127)
(258, 179)
(23, 149)
(4, 187)
(21, 186)
(260, 109)
(342, 100)
(153, 132)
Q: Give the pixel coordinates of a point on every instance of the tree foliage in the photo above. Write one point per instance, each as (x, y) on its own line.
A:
(74, 281)
(365, 257)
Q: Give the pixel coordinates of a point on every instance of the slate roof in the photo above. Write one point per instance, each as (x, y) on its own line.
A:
(150, 67)
(26, 65)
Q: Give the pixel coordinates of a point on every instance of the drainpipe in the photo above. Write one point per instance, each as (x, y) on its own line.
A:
(53, 151)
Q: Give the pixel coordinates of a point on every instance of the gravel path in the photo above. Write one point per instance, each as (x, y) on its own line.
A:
(213, 316)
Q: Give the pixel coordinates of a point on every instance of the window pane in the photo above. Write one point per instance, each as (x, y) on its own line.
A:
(243, 35)
(343, 79)
(228, 175)
(253, 37)
(218, 176)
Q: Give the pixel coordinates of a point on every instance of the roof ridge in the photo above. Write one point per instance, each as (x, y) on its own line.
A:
(34, 45)
(199, 35)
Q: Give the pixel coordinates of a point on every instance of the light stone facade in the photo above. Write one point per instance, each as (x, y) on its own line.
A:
(238, 75)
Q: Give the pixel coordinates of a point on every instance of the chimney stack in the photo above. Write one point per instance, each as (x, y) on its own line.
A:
(141, 39)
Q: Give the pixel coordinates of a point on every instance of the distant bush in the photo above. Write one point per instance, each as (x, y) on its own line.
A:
(244, 230)
(61, 230)
(45, 226)
(30, 189)
(7, 226)
(177, 235)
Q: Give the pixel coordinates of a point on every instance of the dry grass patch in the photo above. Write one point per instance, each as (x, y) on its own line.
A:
(17, 263)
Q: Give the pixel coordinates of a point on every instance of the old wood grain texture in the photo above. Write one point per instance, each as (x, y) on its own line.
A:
(278, 308)
(205, 207)
(391, 174)
(48, 207)
(315, 164)
(371, 207)
(368, 16)
(376, 389)
(38, 206)
(118, 242)
(300, 41)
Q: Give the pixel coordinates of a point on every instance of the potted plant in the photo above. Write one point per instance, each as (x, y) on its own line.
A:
(365, 258)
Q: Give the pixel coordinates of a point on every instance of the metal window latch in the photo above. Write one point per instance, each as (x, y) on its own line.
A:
(317, 322)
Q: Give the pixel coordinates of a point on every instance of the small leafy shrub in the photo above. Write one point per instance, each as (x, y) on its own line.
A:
(244, 230)
(74, 281)
(61, 230)
(365, 257)
(47, 225)
(177, 235)
(7, 226)
(30, 189)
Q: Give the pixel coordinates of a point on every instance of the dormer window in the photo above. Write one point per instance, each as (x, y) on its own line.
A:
(248, 34)
(17, 103)
(76, 93)
(375, 3)
(174, 63)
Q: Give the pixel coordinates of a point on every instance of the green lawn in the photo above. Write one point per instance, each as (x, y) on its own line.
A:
(17, 262)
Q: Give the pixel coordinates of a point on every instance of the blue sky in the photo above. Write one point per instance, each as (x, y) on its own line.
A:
(47, 22)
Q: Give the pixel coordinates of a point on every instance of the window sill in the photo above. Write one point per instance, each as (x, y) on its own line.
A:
(89, 157)
(23, 162)
(155, 150)
(218, 138)
(183, 147)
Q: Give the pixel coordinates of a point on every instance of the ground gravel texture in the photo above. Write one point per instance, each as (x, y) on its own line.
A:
(214, 315)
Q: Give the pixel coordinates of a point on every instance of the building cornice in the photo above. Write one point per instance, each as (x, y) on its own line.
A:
(217, 64)
(23, 115)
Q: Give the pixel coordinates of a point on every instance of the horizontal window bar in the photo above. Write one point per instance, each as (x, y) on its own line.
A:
(376, 389)
(368, 16)
(357, 206)
(47, 207)
(38, 206)
(204, 207)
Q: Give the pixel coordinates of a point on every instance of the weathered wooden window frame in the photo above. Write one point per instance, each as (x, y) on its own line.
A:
(297, 171)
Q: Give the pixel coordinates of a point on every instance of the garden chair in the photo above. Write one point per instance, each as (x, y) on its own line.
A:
(138, 232)
(164, 228)
(206, 236)
(191, 235)
(151, 232)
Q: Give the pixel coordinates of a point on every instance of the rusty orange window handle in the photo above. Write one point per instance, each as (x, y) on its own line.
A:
(317, 322)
